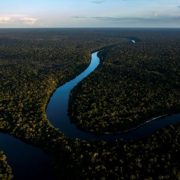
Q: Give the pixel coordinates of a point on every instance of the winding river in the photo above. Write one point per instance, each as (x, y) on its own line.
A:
(57, 113)
(29, 162)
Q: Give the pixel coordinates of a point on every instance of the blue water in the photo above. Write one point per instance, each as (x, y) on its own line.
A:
(27, 162)
(57, 113)
(57, 109)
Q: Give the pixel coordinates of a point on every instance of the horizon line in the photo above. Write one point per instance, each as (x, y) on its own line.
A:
(89, 27)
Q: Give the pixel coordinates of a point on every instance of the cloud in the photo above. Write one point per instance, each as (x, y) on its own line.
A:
(98, 1)
(80, 17)
(29, 20)
(153, 21)
(156, 19)
(4, 19)
(17, 19)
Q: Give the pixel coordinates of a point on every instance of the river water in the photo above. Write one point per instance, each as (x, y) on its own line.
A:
(29, 162)
(57, 113)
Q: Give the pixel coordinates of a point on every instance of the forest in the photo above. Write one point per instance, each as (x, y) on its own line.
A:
(143, 82)
(5, 169)
(136, 82)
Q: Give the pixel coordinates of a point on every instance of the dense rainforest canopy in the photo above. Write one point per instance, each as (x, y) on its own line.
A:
(136, 82)
(133, 83)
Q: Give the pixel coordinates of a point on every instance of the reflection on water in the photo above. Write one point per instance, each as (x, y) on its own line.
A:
(27, 162)
(57, 113)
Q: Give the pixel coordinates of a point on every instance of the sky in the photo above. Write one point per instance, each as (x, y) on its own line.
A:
(89, 13)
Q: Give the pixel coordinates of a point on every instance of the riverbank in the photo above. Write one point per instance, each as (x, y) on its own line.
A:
(29, 68)
(5, 169)
(130, 88)
(58, 113)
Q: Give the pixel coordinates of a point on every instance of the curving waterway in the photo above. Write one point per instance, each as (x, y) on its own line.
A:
(57, 113)
(29, 162)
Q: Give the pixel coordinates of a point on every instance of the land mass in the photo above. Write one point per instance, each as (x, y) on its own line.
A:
(133, 83)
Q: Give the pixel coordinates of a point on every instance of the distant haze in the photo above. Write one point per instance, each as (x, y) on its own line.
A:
(89, 13)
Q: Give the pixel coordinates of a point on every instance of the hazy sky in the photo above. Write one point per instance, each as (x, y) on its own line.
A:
(89, 13)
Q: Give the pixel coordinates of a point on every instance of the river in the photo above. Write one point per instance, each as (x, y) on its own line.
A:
(29, 162)
(57, 113)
